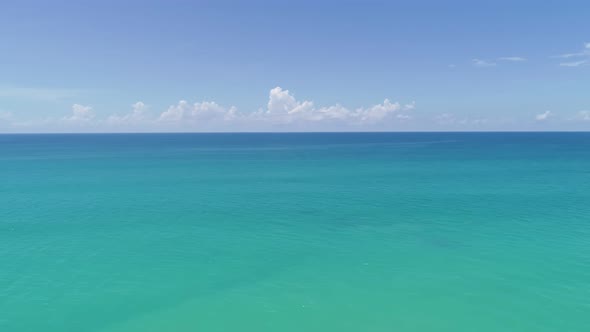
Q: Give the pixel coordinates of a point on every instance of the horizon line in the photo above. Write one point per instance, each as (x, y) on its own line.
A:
(294, 132)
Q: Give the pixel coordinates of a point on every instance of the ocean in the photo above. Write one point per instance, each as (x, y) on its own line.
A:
(295, 232)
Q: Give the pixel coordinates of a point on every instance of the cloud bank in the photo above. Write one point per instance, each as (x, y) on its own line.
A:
(283, 112)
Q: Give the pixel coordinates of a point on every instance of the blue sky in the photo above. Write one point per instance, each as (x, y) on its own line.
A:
(105, 66)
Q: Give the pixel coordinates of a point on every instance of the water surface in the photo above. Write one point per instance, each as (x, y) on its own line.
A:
(295, 232)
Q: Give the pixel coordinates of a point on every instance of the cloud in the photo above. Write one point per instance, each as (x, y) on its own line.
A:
(80, 114)
(281, 101)
(410, 106)
(282, 107)
(543, 116)
(445, 118)
(198, 112)
(379, 111)
(487, 63)
(283, 110)
(449, 119)
(584, 56)
(570, 55)
(584, 115)
(573, 63)
(136, 117)
(512, 59)
(482, 63)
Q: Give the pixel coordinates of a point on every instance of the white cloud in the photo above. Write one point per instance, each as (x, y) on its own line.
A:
(512, 58)
(482, 63)
(284, 108)
(543, 116)
(136, 116)
(584, 56)
(283, 112)
(281, 101)
(379, 111)
(176, 112)
(570, 55)
(487, 63)
(197, 112)
(80, 114)
(410, 106)
(573, 63)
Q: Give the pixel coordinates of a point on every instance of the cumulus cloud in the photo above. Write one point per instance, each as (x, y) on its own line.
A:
(543, 116)
(482, 63)
(135, 117)
(281, 101)
(80, 114)
(284, 110)
(201, 112)
(379, 112)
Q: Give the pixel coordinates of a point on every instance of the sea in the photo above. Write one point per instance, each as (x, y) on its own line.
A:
(259, 232)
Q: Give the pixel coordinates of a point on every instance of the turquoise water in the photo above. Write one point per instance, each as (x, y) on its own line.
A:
(295, 232)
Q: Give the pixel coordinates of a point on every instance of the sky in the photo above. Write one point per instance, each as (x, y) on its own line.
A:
(217, 66)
